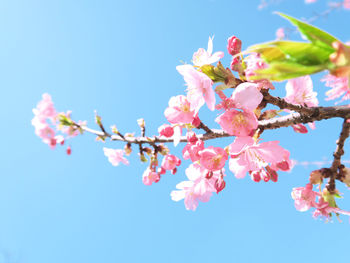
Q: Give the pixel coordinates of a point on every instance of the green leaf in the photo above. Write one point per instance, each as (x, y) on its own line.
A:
(282, 70)
(301, 52)
(312, 33)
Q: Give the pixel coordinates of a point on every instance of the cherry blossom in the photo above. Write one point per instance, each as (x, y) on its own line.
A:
(199, 88)
(213, 158)
(339, 87)
(245, 96)
(280, 34)
(193, 147)
(300, 92)
(346, 4)
(149, 176)
(248, 156)
(304, 197)
(198, 188)
(115, 156)
(170, 162)
(253, 63)
(324, 210)
(204, 57)
(238, 123)
(179, 110)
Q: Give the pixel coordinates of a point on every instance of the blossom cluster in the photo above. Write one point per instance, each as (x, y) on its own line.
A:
(48, 127)
(239, 106)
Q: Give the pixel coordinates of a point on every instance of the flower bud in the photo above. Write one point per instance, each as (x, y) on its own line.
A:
(255, 176)
(166, 130)
(128, 149)
(209, 175)
(163, 150)
(196, 121)
(69, 150)
(143, 158)
(234, 45)
(141, 123)
(114, 129)
(300, 128)
(219, 185)
(147, 150)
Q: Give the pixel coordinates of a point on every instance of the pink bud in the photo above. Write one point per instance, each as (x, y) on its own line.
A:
(69, 150)
(166, 130)
(255, 176)
(196, 121)
(191, 137)
(209, 175)
(173, 171)
(300, 128)
(234, 45)
(284, 166)
(53, 143)
(219, 185)
(157, 179)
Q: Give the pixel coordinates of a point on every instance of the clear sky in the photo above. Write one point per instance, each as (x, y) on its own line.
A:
(119, 57)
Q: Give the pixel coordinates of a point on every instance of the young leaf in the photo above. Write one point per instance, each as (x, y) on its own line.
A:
(312, 33)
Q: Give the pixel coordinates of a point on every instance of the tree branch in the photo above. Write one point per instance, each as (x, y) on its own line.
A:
(337, 156)
(314, 114)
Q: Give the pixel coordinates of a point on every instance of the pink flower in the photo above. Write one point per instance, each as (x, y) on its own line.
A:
(42, 113)
(346, 4)
(150, 177)
(253, 63)
(339, 87)
(170, 162)
(280, 33)
(193, 147)
(205, 57)
(45, 109)
(304, 198)
(198, 188)
(234, 45)
(247, 156)
(238, 123)
(115, 156)
(166, 130)
(245, 96)
(179, 110)
(300, 92)
(213, 158)
(324, 210)
(199, 88)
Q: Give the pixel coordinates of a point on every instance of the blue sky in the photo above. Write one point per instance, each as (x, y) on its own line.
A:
(119, 58)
